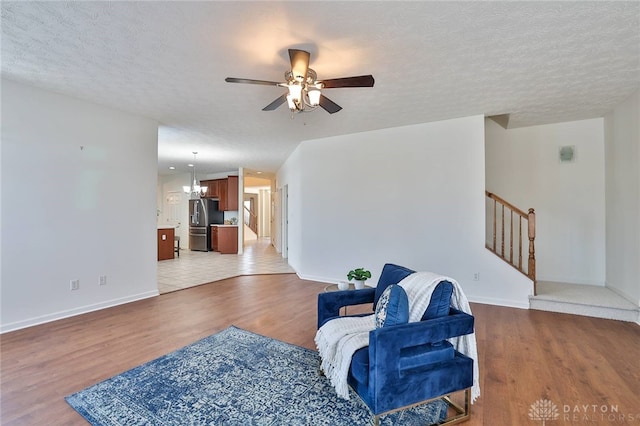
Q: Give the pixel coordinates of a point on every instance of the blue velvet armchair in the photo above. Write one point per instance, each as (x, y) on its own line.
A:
(412, 363)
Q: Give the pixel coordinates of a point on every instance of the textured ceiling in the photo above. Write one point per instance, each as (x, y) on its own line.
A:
(540, 62)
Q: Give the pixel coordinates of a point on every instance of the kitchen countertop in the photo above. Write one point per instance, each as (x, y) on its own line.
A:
(220, 224)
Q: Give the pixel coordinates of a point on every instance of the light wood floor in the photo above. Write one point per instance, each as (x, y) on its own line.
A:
(524, 355)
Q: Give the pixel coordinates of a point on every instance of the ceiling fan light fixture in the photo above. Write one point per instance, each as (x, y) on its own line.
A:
(295, 90)
(291, 102)
(314, 96)
(299, 64)
(304, 88)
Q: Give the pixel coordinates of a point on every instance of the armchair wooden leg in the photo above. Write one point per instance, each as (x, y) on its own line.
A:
(462, 412)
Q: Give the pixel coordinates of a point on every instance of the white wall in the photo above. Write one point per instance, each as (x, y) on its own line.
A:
(292, 196)
(168, 184)
(71, 213)
(411, 195)
(622, 153)
(523, 167)
(264, 213)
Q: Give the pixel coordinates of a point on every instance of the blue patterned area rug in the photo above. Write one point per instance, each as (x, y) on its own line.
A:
(234, 377)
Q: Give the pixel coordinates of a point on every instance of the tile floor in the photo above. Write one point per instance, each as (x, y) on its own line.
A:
(197, 267)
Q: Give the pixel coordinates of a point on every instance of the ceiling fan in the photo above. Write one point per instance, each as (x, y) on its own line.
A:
(304, 89)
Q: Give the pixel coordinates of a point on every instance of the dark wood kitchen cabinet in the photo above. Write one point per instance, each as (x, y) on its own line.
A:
(228, 194)
(224, 239)
(214, 238)
(212, 188)
(222, 195)
(165, 243)
(225, 190)
(232, 193)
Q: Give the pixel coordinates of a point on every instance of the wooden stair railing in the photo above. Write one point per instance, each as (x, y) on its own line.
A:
(499, 234)
(251, 220)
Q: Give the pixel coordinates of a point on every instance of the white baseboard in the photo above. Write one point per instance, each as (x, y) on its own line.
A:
(327, 280)
(623, 294)
(483, 300)
(316, 278)
(4, 328)
(499, 302)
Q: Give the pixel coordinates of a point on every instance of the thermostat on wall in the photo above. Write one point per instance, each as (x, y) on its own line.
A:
(567, 153)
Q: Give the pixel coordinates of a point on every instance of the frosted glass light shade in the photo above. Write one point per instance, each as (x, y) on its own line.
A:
(290, 102)
(294, 91)
(314, 97)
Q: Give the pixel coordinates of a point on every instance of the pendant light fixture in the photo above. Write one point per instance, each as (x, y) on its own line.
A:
(195, 189)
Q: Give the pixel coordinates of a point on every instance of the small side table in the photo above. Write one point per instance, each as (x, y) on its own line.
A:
(334, 287)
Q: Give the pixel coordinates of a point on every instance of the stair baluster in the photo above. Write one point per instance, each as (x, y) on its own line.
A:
(251, 220)
(530, 217)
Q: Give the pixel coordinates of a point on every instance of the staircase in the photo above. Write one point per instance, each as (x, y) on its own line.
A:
(510, 229)
(508, 224)
(587, 300)
(249, 234)
(251, 220)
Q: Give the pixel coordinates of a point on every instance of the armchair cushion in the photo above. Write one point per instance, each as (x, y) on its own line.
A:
(360, 366)
(391, 274)
(392, 307)
(440, 301)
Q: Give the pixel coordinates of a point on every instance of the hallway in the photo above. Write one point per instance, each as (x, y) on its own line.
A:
(194, 268)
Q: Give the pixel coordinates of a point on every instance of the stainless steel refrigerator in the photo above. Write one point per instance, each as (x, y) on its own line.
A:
(203, 213)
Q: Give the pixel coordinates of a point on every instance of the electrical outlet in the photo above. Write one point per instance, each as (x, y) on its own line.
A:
(75, 285)
(476, 276)
(103, 280)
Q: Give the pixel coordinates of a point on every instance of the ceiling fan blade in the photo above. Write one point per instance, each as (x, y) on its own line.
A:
(249, 81)
(275, 104)
(328, 105)
(359, 81)
(299, 63)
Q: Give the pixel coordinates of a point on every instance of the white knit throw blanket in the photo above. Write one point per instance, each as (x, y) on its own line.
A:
(338, 339)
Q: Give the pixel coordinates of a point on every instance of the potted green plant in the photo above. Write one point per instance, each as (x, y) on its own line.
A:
(359, 276)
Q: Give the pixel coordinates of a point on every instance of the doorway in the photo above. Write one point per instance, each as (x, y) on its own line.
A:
(257, 206)
(284, 222)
